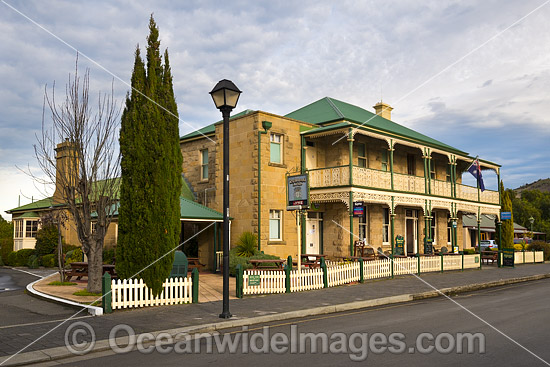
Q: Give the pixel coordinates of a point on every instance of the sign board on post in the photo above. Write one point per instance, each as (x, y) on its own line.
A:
(508, 256)
(428, 246)
(399, 245)
(358, 209)
(505, 215)
(297, 192)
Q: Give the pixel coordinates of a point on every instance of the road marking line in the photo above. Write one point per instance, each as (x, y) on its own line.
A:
(28, 272)
(41, 322)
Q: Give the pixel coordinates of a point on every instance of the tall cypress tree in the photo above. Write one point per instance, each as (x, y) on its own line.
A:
(149, 212)
(507, 225)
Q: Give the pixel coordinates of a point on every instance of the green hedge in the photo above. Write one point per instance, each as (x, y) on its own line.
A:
(49, 261)
(540, 246)
(20, 258)
(234, 260)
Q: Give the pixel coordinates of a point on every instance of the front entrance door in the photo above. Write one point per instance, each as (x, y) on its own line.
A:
(411, 230)
(311, 157)
(314, 225)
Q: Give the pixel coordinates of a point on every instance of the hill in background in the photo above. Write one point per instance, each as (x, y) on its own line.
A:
(543, 185)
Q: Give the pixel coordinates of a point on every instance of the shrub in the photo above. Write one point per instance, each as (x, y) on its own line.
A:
(235, 259)
(109, 256)
(67, 248)
(32, 262)
(246, 245)
(518, 247)
(6, 246)
(74, 256)
(540, 246)
(11, 259)
(49, 261)
(1, 261)
(469, 251)
(46, 240)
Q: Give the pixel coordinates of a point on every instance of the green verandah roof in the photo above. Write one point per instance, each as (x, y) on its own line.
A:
(329, 109)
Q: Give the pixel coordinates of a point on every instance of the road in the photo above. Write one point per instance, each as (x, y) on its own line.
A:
(515, 334)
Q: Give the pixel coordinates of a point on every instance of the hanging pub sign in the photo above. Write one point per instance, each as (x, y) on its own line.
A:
(358, 209)
(505, 215)
(297, 192)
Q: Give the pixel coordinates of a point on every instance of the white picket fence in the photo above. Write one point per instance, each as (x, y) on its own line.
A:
(270, 282)
(129, 293)
(339, 273)
(306, 279)
(343, 274)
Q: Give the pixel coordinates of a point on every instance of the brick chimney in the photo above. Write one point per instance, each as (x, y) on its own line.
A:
(383, 109)
(66, 168)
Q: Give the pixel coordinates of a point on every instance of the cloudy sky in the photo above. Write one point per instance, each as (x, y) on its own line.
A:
(473, 74)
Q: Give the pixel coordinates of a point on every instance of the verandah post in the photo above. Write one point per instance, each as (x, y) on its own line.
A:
(391, 261)
(239, 275)
(441, 262)
(418, 263)
(325, 274)
(361, 272)
(195, 285)
(462, 254)
(287, 278)
(289, 262)
(106, 301)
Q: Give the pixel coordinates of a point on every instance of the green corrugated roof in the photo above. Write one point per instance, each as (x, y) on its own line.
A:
(192, 210)
(29, 215)
(40, 204)
(210, 129)
(329, 109)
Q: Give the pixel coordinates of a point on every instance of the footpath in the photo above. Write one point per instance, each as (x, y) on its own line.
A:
(203, 317)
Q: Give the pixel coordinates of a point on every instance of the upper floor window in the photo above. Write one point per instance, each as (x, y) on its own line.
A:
(433, 228)
(204, 164)
(31, 227)
(276, 148)
(448, 175)
(432, 170)
(362, 155)
(18, 228)
(384, 159)
(411, 165)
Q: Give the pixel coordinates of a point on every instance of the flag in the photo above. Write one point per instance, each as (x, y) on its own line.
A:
(475, 170)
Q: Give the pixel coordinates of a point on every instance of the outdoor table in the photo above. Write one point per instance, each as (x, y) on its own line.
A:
(356, 258)
(80, 269)
(193, 263)
(312, 263)
(265, 264)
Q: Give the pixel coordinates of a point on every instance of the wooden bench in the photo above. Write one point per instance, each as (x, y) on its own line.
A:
(487, 256)
(193, 262)
(266, 264)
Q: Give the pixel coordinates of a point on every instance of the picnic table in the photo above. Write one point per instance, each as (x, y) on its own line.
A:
(267, 264)
(356, 258)
(491, 256)
(80, 269)
(312, 260)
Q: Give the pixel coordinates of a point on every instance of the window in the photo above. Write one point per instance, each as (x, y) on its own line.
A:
(363, 224)
(276, 148)
(448, 174)
(411, 165)
(31, 227)
(362, 155)
(204, 164)
(432, 170)
(384, 159)
(18, 228)
(275, 222)
(433, 229)
(449, 230)
(386, 226)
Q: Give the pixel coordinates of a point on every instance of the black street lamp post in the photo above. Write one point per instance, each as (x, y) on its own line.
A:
(225, 95)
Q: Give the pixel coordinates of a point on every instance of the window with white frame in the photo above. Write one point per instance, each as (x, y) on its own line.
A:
(31, 227)
(275, 225)
(386, 226)
(362, 155)
(276, 148)
(363, 224)
(204, 164)
(18, 224)
(433, 229)
(449, 229)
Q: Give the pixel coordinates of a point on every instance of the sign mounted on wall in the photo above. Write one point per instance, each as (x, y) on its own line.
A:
(297, 192)
(358, 209)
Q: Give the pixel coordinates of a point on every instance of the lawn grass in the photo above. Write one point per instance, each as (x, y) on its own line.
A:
(85, 293)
